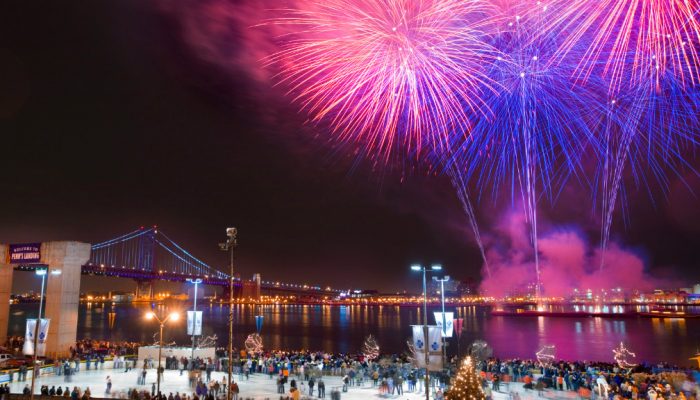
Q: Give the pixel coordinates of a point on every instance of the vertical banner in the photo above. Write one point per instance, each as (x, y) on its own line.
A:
(28, 348)
(418, 338)
(458, 325)
(433, 346)
(449, 319)
(43, 335)
(194, 323)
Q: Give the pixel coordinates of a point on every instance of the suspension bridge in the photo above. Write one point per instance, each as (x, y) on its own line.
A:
(148, 255)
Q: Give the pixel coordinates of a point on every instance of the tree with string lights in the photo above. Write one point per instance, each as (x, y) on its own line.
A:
(370, 348)
(466, 385)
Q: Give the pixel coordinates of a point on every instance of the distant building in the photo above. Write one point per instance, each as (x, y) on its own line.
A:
(696, 288)
(122, 297)
(251, 289)
(362, 294)
(668, 296)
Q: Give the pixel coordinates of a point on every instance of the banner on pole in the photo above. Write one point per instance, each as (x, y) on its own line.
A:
(194, 323)
(458, 325)
(28, 348)
(433, 346)
(448, 329)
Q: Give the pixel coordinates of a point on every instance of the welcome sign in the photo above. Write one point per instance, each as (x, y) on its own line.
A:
(24, 253)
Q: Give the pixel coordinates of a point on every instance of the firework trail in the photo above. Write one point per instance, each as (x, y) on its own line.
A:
(649, 128)
(460, 184)
(645, 52)
(393, 76)
(539, 129)
(629, 39)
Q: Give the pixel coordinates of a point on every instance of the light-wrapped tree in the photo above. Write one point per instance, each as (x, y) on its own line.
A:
(466, 385)
(370, 348)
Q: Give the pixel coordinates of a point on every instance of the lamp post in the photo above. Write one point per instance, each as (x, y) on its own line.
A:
(42, 273)
(444, 321)
(171, 317)
(230, 244)
(425, 321)
(196, 283)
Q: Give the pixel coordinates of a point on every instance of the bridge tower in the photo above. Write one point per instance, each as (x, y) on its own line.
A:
(62, 292)
(146, 261)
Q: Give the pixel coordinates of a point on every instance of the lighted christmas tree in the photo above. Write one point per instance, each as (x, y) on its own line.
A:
(466, 385)
(370, 348)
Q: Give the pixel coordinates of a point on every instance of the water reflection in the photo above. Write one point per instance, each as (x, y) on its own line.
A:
(344, 328)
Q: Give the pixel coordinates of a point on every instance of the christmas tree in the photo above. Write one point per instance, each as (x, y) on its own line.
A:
(370, 348)
(466, 385)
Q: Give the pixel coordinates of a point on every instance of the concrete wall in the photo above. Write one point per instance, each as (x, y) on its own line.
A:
(6, 272)
(63, 293)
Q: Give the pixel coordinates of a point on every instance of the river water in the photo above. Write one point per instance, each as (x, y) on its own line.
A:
(343, 329)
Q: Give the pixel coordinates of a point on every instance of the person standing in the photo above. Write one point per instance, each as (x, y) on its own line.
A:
(312, 382)
(108, 390)
(321, 389)
(235, 390)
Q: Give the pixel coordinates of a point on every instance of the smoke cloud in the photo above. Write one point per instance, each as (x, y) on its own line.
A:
(567, 262)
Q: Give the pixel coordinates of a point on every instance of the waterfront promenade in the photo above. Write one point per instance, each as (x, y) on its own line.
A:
(258, 386)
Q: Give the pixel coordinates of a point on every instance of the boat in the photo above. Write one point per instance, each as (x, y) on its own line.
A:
(667, 313)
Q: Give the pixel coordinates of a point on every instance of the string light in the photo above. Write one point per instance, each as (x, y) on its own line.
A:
(466, 385)
(622, 355)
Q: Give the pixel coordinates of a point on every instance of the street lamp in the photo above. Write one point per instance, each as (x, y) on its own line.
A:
(230, 244)
(444, 321)
(171, 317)
(425, 321)
(196, 283)
(42, 273)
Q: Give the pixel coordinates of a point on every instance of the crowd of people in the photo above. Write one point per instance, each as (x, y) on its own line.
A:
(591, 379)
(304, 373)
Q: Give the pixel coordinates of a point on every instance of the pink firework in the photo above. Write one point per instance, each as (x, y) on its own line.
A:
(388, 74)
(633, 41)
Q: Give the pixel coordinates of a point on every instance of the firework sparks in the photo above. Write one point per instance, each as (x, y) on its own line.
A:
(632, 39)
(539, 128)
(388, 74)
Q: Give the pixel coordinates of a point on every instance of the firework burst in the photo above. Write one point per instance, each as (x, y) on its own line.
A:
(539, 127)
(388, 75)
(631, 40)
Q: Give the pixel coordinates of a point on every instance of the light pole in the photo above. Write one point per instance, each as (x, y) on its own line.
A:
(444, 320)
(425, 321)
(230, 244)
(42, 273)
(171, 317)
(196, 283)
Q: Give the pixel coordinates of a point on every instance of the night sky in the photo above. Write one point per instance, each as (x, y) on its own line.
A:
(112, 118)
